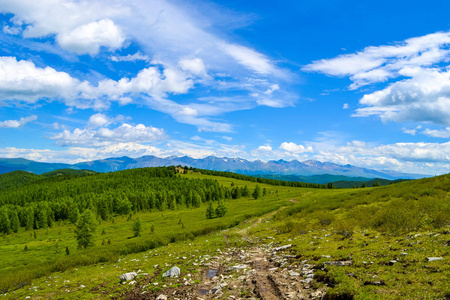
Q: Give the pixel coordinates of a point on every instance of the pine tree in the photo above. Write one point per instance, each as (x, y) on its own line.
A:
(137, 227)
(196, 199)
(85, 229)
(210, 211)
(221, 209)
(14, 219)
(29, 218)
(245, 192)
(264, 192)
(256, 192)
(5, 223)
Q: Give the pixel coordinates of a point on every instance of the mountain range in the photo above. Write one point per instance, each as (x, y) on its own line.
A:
(320, 171)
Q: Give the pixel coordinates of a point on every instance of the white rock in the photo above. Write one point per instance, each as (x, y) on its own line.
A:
(282, 247)
(128, 276)
(434, 258)
(237, 267)
(175, 271)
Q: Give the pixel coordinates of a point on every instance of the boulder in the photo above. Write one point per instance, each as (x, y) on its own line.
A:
(434, 258)
(128, 276)
(175, 271)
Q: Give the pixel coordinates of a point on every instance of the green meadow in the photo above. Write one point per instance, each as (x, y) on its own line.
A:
(386, 232)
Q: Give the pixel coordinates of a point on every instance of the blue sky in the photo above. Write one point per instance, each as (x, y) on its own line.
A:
(349, 82)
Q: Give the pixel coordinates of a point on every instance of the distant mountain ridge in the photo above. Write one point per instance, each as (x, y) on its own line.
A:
(237, 165)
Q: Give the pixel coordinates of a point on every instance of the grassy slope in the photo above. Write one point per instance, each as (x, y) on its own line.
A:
(46, 252)
(373, 227)
(344, 224)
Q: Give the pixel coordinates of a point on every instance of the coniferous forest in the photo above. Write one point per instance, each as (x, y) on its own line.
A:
(40, 203)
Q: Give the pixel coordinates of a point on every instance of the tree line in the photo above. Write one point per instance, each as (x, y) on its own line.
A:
(260, 180)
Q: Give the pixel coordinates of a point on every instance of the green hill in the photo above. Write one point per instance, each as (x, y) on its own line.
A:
(367, 183)
(69, 172)
(17, 178)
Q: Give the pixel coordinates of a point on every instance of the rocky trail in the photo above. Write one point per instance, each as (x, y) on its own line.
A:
(259, 272)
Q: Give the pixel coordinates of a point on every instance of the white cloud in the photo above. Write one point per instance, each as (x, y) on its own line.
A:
(345, 106)
(410, 152)
(379, 63)
(22, 80)
(130, 57)
(425, 97)
(194, 66)
(409, 131)
(98, 120)
(79, 26)
(103, 136)
(81, 154)
(17, 123)
(88, 38)
(264, 148)
(422, 94)
(443, 133)
(179, 39)
(249, 58)
(294, 148)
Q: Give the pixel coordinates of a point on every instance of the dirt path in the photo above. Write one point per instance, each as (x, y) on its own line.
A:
(265, 287)
(245, 230)
(259, 271)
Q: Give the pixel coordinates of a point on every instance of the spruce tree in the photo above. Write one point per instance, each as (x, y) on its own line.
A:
(245, 192)
(256, 192)
(210, 211)
(14, 219)
(5, 223)
(85, 229)
(221, 209)
(137, 227)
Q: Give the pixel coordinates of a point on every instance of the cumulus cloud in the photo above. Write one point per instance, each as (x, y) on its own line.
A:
(442, 133)
(425, 97)
(87, 39)
(81, 154)
(194, 66)
(185, 54)
(411, 152)
(22, 80)
(419, 158)
(79, 26)
(421, 95)
(17, 123)
(294, 148)
(103, 136)
(264, 148)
